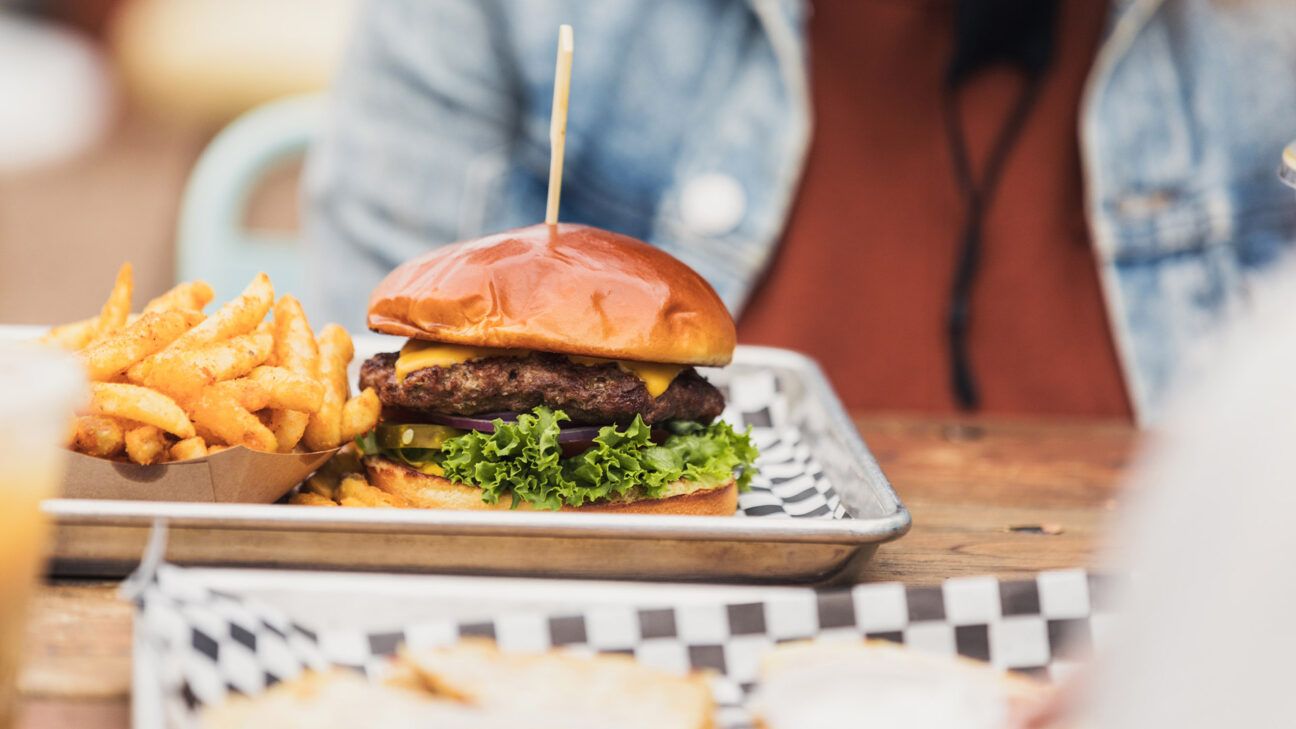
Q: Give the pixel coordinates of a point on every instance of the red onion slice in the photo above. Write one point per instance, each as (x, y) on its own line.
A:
(574, 448)
(579, 434)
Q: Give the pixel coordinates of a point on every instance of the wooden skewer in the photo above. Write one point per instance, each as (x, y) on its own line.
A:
(558, 121)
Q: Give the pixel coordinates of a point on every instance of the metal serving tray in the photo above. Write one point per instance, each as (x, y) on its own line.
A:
(101, 537)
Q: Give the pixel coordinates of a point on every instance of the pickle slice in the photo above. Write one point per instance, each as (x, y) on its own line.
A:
(415, 435)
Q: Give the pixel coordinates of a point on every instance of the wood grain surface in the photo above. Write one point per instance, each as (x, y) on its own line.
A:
(1001, 497)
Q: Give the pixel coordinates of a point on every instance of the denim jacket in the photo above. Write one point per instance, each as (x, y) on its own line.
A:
(689, 126)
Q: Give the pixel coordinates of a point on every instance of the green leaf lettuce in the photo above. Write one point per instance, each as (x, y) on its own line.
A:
(523, 460)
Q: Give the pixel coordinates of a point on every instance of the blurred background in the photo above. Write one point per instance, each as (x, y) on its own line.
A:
(1038, 207)
(105, 105)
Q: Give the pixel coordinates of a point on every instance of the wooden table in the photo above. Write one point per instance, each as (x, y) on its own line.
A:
(999, 497)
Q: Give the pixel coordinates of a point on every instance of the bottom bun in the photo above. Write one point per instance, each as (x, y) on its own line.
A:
(422, 491)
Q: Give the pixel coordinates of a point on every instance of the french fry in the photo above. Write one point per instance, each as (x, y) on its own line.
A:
(72, 336)
(360, 414)
(272, 387)
(145, 444)
(267, 327)
(238, 316)
(148, 334)
(306, 498)
(354, 490)
(218, 412)
(192, 295)
(295, 344)
(288, 426)
(287, 390)
(250, 396)
(324, 431)
(189, 448)
(112, 317)
(211, 439)
(140, 404)
(183, 372)
(295, 349)
(98, 436)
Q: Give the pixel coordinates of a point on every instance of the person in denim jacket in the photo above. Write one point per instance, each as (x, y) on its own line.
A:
(690, 125)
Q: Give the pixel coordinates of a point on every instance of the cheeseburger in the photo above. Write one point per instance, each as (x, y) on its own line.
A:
(552, 367)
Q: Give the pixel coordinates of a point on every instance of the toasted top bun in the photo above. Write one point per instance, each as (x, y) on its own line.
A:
(411, 489)
(876, 683)
(569, 289)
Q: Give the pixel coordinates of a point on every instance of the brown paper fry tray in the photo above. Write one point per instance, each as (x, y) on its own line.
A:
(234, 475)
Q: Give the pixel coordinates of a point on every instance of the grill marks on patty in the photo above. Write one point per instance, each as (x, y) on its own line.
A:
(592, 395)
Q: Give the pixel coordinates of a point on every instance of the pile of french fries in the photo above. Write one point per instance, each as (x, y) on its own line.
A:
(171, 384)
(342, 482)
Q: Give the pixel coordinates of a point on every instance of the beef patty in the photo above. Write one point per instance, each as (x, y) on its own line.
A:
(589, 394)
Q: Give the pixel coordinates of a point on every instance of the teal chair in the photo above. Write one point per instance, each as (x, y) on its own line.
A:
(212, 243)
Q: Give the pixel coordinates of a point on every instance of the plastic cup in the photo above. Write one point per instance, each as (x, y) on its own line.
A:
(40, 388)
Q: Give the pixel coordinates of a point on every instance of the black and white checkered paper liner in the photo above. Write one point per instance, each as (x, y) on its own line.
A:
(208, 645)
(791, 481)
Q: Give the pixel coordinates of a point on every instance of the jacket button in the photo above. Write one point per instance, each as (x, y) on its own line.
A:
(712, 204)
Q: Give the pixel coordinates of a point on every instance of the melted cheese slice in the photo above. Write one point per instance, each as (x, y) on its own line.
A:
(656, 377)
(417, 355)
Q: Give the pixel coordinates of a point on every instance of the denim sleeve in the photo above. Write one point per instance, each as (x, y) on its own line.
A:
(423, 110)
